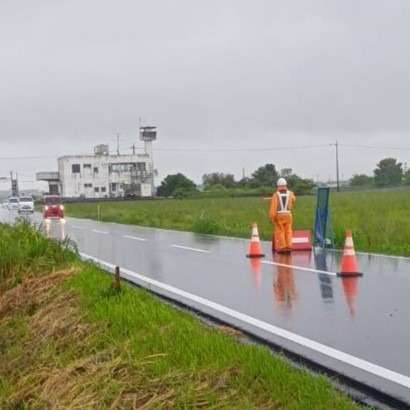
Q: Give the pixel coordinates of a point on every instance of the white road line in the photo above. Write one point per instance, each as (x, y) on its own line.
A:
(135, 238)
(187, 248)
(233, 238)
(347, 358)
(101, 232)
(378, 255)
(300, 268)
(381, 255)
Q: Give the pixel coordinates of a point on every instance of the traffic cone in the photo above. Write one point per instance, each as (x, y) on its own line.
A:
(348, 266)
(255, 248)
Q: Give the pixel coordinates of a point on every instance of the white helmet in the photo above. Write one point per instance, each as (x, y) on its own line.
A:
(281, 182)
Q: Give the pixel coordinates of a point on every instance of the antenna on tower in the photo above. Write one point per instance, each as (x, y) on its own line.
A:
(118, 143)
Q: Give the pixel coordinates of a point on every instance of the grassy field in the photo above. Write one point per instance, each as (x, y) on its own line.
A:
(380, 220)
(69, 340)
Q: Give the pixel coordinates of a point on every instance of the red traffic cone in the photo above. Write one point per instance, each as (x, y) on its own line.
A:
(348, 266)
(255, 248)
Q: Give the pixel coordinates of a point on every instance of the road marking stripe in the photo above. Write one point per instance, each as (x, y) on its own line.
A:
(232, 238)
(187, 248)
(300, 268)
(347, 358)
(381, 255)
(135, 238)
(101, 232)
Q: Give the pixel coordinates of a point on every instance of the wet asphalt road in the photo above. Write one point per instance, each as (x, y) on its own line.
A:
(355, 326)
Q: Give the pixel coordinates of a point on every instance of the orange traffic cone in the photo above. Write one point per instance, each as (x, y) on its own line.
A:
(349, 267)
(255, 248)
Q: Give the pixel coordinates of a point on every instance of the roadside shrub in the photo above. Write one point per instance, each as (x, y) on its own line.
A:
(181, 193)
(205, 224)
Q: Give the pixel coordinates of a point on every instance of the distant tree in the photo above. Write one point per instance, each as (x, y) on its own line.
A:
(264, 176)
(361, 180)
(218, 178)
(388, 172)
(173, 182)
(217, 187)
(244, 182)
(181, 193)
(286, 172)
(301, 186)
(406, 177)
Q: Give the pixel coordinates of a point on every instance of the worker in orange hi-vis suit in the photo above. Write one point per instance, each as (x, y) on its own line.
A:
(280, 213)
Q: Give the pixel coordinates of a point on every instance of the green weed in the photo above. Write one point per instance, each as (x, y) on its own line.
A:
(68, 341)
(380, 220)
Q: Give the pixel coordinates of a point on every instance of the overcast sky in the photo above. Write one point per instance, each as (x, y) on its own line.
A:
(209, 74)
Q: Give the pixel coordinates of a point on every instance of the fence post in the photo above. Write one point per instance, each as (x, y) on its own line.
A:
(117, 277)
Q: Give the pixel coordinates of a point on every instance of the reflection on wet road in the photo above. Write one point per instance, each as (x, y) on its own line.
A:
(355, 326)
(284, 287)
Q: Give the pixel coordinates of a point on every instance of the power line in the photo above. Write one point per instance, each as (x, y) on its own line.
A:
(28, 157)
(375, 147)
(223, 149)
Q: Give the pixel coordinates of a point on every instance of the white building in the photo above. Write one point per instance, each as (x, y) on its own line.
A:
(101, 175)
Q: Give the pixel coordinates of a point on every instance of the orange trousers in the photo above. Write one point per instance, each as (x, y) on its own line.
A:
(283, 230)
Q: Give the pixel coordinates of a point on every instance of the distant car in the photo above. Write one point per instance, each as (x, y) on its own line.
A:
(13, 203)
(26, 204)
(53, 208)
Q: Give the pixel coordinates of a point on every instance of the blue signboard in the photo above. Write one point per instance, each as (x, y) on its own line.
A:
(323, 235)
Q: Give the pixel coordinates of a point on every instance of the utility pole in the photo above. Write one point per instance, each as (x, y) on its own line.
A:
(133, 149)
(118, 143)
(14, 184)
(337, 167)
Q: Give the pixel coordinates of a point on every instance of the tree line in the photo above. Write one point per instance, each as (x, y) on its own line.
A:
(261, 181)
(388, 173)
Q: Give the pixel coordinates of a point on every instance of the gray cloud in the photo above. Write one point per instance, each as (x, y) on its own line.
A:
(226, 73)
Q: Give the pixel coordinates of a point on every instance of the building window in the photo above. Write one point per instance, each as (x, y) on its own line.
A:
(75, 168)
(141, 166)
(103, 189)
(113, 187)
(96, 189)
(122, 167)
(88, 185)
(87, 166)
(95, 170)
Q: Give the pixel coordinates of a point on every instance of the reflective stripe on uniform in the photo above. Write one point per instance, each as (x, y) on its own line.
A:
(283, 202)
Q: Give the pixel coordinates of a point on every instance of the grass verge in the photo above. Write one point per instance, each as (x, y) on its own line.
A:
(380, 220)
(68, 340)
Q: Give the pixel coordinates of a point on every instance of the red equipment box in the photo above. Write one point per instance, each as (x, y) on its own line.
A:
(301, 241)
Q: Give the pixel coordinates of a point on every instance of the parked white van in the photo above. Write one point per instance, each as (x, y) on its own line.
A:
(26, 204)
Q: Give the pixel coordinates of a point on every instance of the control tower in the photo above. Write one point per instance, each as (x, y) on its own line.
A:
(148, 134)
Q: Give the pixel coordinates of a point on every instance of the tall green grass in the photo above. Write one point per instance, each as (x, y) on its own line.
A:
(175, 347)
(380, 220)
(24, 250)
(68, 340)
